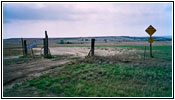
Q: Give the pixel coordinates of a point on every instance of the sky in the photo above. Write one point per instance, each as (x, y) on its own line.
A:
(81, 19)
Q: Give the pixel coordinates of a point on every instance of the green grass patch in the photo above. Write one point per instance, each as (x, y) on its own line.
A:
(168, 47)
(82, 79)
(75, 58)
(159, 52)
(53, 67)
(63, 57)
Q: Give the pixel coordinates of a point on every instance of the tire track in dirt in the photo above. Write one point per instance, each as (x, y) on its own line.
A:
(16, 73)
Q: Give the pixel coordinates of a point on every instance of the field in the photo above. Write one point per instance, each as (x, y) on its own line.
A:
(118, 69)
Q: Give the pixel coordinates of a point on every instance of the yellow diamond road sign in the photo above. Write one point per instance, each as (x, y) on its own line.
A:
(150, 40)
(150, 30)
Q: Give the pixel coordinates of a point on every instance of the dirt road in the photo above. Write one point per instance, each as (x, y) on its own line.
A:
(83, 51)
(15, 73)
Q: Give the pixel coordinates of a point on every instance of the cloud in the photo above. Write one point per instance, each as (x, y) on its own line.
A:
(35, 12)
(85, 19)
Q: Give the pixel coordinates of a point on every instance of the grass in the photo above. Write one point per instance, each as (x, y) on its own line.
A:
(60, 57)
(96, 77)
(168, 47)
(16, 52)
(21, 59)
(159, 52)
(163, 52)
(84, 78)
(16, 60)
(11, 52)
(53, 67)
(63, 57)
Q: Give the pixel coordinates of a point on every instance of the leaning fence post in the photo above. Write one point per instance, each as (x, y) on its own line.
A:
(25, 48)
(46, 45)
(92, 46)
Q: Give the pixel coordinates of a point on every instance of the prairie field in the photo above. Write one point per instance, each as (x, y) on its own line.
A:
(118, 69)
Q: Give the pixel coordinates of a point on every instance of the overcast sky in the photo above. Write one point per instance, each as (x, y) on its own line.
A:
(85, 19)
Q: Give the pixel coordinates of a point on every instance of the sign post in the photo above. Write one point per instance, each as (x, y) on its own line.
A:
(150, 30)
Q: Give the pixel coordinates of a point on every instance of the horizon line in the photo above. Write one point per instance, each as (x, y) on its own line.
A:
(92, 36)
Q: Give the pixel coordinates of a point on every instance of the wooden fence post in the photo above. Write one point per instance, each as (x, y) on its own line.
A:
(22, 46)
(46, 45)
(25, 48)
(92, 46)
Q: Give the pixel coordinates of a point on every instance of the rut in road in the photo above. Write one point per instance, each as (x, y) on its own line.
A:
(15, 73)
